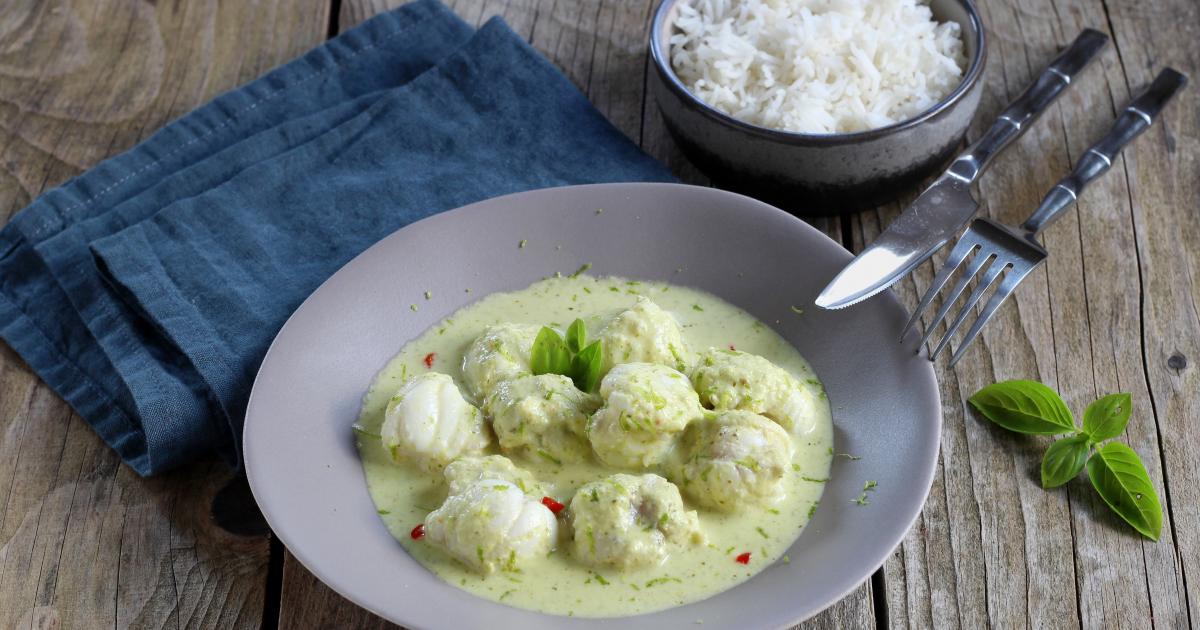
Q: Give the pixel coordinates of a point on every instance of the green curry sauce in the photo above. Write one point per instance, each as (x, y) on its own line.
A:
(559, 584)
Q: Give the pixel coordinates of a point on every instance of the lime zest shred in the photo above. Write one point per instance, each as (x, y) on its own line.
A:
(548, 457)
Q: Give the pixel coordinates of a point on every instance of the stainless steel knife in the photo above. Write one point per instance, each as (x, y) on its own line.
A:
(944, 209)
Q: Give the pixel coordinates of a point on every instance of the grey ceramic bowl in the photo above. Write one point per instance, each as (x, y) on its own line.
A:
(307, 477)
(818, 173)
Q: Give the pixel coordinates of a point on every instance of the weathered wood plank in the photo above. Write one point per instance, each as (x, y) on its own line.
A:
(1059, 559)
(599, 45)
(1164, 192)
(84, 542)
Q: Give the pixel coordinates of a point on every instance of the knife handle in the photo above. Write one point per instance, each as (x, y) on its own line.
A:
(1022, 113)
(1132, 121)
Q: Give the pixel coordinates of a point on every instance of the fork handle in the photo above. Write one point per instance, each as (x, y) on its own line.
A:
(1021, 113)
(1133, 120)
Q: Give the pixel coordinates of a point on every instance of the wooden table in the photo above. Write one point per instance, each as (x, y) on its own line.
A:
(87, 543)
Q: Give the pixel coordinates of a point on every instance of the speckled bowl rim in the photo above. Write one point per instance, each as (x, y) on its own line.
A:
(306, 475)
(662, 64)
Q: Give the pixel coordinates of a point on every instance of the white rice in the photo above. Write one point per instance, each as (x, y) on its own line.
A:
(816, 66)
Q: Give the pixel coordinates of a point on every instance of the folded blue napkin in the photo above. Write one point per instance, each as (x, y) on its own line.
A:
(147, 290)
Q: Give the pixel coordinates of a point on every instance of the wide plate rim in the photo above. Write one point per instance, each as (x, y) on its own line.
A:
(886, 299)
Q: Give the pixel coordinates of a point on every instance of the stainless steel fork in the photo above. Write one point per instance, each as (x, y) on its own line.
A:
(1017, 250)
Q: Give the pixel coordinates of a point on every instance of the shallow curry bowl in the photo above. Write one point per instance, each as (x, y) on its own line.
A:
(819, 173)
(308, 480)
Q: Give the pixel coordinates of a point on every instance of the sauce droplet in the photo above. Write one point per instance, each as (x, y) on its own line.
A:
(743, 558)
(552, 505)
(429, 360)
(418, 532)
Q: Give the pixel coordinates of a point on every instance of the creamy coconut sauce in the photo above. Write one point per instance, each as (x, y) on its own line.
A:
(559, 584)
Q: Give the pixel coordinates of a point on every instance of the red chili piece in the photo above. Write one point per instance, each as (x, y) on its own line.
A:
(744, 558)
(553, 505)
(418, 532)
(429, 359)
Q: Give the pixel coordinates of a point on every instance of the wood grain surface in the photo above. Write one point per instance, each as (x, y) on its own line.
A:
(85, 543)
(1107, 313)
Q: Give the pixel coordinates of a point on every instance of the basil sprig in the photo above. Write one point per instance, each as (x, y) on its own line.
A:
(572, 357)
(1115, 470)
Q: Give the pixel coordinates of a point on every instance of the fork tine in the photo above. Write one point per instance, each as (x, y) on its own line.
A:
(1005, 289)
(956, 257)
(993, 272)
(981, 258)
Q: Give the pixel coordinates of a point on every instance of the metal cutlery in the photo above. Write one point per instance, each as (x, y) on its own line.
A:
(941, 212)
(999, 247)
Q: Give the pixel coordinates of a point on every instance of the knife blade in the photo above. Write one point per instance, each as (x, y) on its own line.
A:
(943, 209)
(934, 218)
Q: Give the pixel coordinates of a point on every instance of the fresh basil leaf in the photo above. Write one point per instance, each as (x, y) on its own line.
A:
(1106, 418)
(576, 335)
(1064, 459)
(550, 354)
(1119, 476)
(539, 354)
(1024, 407)
(585, 368)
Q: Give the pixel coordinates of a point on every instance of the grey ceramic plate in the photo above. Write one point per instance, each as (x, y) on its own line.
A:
(306, 475)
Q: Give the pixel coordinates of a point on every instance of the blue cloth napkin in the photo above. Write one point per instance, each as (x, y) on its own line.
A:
(147, 290)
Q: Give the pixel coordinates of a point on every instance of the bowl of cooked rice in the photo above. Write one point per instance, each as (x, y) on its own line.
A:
(821, 106)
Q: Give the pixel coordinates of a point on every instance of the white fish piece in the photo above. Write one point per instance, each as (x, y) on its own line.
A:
(733, 459)
(644, 333)
(429, 423)
(492, 525)
(731, 379)
(646, 405)
(630, 521)
(500, 354)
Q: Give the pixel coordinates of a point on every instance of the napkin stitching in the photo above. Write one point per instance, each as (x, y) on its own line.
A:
(84, 378)
(234, 118)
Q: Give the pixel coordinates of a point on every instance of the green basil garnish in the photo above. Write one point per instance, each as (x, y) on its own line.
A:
(1116, 471)
(1063, 460)
(552, 354)
(1106, 418)
(576, 336)
(1119, 476)
(585, 367)
(1024, 407)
